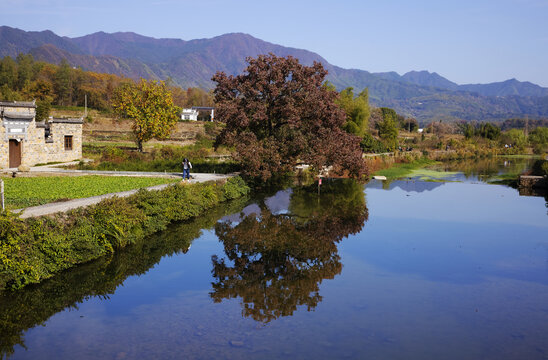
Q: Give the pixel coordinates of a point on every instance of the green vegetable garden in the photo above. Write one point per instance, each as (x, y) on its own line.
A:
(31, 191)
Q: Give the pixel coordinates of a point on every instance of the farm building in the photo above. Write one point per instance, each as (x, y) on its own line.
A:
(189, 114)
(25, 141)
(193, 113)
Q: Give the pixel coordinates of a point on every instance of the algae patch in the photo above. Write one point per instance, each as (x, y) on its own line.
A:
(433, 175)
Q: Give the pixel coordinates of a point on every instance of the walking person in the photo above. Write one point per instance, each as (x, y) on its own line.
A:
(186, 169)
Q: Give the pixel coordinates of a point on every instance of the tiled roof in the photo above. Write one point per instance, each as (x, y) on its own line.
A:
(17, 116)
(67, 121)
(18, 103)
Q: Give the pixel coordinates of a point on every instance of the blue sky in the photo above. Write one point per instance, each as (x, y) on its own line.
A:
(465, 41)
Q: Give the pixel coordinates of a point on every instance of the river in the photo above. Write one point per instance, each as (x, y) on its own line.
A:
(411, 269)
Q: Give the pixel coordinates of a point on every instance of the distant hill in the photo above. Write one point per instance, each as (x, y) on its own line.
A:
(14, 41)
(504, 88)
(421, 94)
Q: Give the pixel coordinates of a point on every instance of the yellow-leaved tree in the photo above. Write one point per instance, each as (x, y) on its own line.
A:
(150, 104)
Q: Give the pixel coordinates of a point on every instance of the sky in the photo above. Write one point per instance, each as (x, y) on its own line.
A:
(466, 41)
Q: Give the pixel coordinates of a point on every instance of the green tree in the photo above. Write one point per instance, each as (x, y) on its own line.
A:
(468, 130)
(357, 110)
(8, 73)
(539, 139)
(388, 128)
(43, 108)
(489, 131)
(24, 70)
(150, 105)
(63, 83)
(370, 144)
(278, 112)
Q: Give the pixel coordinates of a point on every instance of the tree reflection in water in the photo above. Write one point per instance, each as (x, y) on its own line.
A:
(275, 260)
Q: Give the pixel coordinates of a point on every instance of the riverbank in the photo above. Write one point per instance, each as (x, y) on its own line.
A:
(35, 249)
(399, 170)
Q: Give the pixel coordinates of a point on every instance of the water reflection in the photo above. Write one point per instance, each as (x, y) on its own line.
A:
(278, 252)
(34, 305)
(486, 168)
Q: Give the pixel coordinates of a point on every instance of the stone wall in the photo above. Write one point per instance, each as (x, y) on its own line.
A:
(32, 150)
(55, 150)
(533, 182)
(4, 149)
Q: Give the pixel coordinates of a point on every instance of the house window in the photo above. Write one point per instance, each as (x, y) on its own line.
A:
(68, 142)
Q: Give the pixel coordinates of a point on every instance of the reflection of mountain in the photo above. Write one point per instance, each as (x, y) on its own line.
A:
(33, 305)
(406, 185)
(277, 258)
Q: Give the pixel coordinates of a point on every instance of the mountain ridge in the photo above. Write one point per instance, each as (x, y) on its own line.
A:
(420, 94)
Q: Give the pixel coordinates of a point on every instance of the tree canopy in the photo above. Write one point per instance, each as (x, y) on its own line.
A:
(277, 113)
(150, 105)
(388, 130)
(357, 110)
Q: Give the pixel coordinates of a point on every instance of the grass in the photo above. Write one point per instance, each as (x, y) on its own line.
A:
(31, 191)
(400, 170)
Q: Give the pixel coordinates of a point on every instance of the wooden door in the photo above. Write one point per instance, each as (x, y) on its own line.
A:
(15, 153)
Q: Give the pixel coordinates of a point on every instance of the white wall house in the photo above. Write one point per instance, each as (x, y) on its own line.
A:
(189, 114)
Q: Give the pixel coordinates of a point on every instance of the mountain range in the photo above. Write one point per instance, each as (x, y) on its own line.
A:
(421, 94)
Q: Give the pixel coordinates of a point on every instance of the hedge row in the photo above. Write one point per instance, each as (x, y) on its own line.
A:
(32, 250)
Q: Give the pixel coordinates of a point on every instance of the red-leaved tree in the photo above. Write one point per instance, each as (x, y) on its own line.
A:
(278, 113)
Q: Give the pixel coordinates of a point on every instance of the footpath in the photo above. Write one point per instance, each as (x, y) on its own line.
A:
(56, 207)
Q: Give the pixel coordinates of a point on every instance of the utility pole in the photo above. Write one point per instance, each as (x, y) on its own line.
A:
(526, 125)
(85, 106)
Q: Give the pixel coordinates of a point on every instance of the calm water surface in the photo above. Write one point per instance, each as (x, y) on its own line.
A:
(409, 270)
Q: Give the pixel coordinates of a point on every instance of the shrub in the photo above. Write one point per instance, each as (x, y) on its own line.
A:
(35, 249)
(371, 145)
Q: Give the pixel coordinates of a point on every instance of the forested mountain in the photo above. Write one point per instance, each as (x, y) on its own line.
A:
(426, 96)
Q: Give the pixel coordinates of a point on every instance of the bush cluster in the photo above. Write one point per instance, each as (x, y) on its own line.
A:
(32, 250)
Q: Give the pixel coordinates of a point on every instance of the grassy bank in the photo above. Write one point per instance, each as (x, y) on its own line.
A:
(399, 170)
(32, 250)
(30, 191)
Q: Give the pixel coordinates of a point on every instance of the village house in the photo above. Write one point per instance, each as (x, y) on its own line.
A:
(189, 114)
(192, 113)
(25, 141)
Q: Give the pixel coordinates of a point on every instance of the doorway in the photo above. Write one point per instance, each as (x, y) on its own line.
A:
(15, 153)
